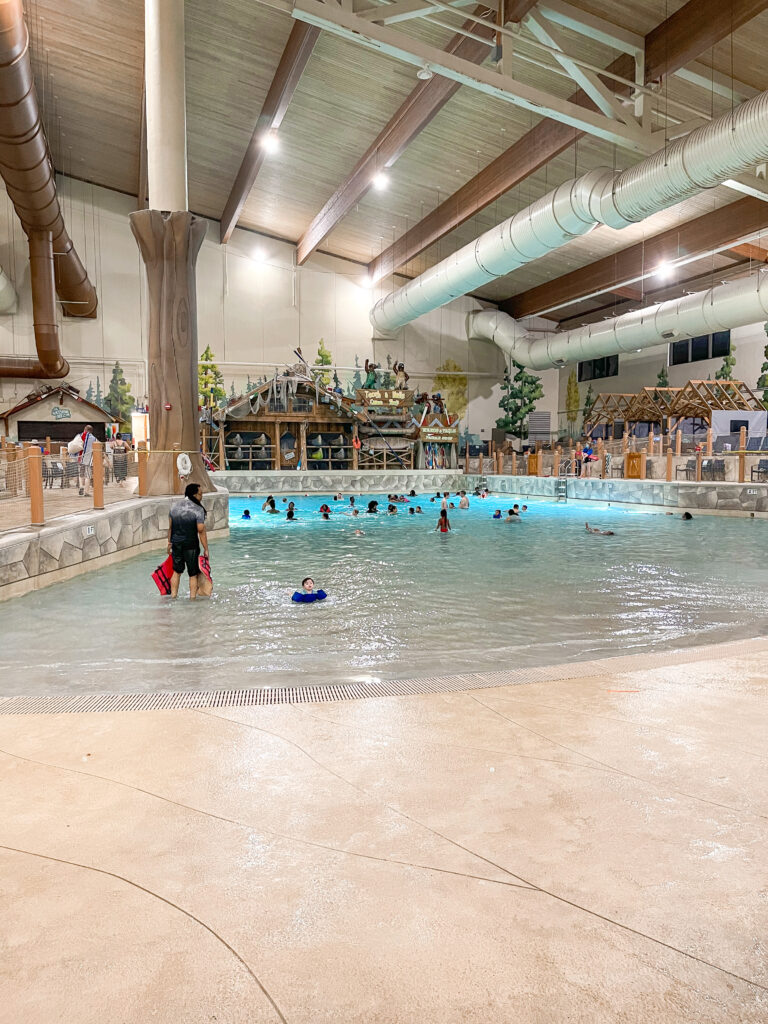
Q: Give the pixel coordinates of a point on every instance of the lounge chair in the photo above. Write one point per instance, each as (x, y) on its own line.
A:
(689, 469)
(760, 471)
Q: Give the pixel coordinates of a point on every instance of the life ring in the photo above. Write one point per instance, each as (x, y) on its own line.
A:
(184, 464)
(356, 443)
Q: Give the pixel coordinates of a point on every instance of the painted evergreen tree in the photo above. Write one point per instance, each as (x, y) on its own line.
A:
(97, 396)
(387, 380)
(323, 359)
(89, 392)
(519, 398)
(210, 380)
(763, 381)
(572, 400)
(589, 401)
(726, 370)
(119, 400)
(356, 381)
(662, 381)
(451, 384)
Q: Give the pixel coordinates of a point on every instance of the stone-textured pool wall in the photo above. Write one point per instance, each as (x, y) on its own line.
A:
(706, 497)
(348, 481)
(68, 546)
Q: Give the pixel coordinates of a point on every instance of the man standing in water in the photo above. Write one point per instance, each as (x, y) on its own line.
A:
(186, 532)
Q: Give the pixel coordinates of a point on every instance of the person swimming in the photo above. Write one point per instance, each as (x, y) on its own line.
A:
(269, 506)
(443, 523)
(411, 511)
(290, 515)
(351, 501)
(419, 510)
(373, 508)
(513, 516)
(411, 493)
(326, 515)
(496, 514)
(464, 503)
(308, 594)
(246, 514)
(391, 510)
(325, 508)
(598, 531)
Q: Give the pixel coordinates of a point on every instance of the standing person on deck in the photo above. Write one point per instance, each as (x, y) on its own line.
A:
(186, 532)
(85, 461)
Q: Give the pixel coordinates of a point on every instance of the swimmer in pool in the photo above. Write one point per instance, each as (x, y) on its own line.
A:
(411, 511)
(359, 533)
(512, 516)
(325, 508)
(373, 508)
(391, 510)
(496, 514)
(419, 510)
(326, 516)
(246, 514)
(443, 523)
(351, 502)
(464, 503)
(308, 594)
(686, 516)
(411, 493)
(290, 515)
(269, 506)
(598, 531)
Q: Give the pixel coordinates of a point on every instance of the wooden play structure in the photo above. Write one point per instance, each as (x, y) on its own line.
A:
(386, 431)
(287, 423)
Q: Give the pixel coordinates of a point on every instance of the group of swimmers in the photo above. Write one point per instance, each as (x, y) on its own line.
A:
(350, 509)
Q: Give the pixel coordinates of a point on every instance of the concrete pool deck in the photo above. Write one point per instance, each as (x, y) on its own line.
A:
(589, 849)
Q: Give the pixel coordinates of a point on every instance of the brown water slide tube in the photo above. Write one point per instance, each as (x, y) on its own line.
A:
(27, 168)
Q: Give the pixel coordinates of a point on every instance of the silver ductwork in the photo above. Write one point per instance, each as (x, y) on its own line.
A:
(735, 304)
(706, 157)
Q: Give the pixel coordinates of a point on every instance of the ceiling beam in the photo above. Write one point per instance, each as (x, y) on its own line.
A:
(405, 10)
(412, 117)
(721, 229)
(516, 10)
(532, 151)
(693, 30)
(747, 251)
(294, 59)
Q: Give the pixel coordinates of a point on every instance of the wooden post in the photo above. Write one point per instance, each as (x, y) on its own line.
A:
(625, 443)
(11, 482)
(742, 439)
(98, 474)
(276, 442)
(514, 462)
(466, 458)
(303, 445)
(678, 442)
(709, 440)
(698, 465)
(603, 464)
(539, 463)
(48, 445)
(669, 464)
(143, 454)
(556, 462)
(480, 462)
(35, 485)
(643, 464)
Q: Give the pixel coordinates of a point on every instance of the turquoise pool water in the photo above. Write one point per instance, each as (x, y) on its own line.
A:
(404, 601)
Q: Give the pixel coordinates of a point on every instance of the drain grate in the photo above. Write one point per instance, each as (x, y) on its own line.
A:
(53, 704)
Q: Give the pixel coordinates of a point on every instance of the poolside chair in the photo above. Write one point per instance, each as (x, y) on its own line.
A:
(707, 469)
(689, 469)
(760, 471)
(754, 444)
(765, 444)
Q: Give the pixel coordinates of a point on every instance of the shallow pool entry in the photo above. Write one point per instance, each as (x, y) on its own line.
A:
(404, 601)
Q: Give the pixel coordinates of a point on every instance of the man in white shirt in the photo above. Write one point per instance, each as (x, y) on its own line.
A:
(85, 460)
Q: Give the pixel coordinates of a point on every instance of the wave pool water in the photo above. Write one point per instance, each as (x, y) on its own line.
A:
(404, 601)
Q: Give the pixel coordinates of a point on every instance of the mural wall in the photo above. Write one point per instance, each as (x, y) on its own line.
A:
(255, 308)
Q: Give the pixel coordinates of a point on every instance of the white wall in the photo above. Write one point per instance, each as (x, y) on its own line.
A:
(640, 369)
(254, 308)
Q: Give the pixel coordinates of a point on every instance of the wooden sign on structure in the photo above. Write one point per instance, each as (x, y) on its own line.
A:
(439, 435)
(384, 398)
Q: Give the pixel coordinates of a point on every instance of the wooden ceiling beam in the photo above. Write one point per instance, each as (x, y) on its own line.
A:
(693, 30)
(412, 117)
(747, 251)
(294, 59)
(516, 10)
(720, 229)
(670, 48)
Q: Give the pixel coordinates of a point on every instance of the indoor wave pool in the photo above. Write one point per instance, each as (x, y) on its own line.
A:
(404, 601)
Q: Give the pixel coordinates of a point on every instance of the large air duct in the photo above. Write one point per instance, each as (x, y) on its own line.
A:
(735, 304)
(27, 168)
(702, 159)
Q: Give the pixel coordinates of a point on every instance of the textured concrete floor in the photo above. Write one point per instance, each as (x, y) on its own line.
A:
(591, 850)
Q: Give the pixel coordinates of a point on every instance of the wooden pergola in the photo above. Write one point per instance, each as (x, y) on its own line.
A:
(608, 408)
(652, 405)
(700, 398)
